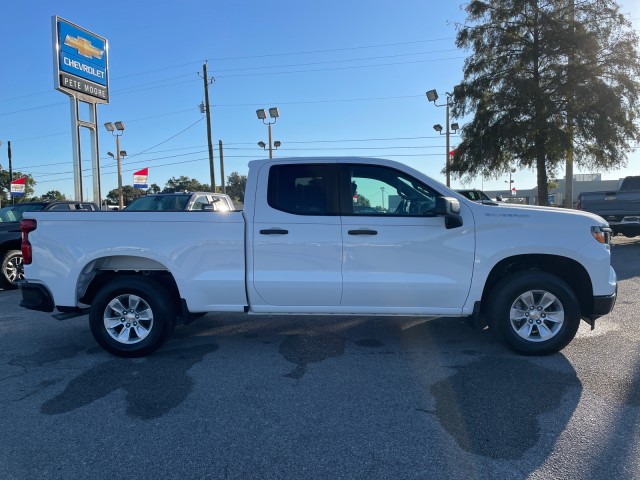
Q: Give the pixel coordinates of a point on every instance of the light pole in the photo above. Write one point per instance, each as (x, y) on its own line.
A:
(432, 96)
(512, 170)
(262, 115)
(119, 127)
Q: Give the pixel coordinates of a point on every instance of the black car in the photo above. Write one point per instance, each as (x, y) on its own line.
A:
(11, 266)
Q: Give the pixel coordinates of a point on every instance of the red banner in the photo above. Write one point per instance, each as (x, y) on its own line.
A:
(140, 178)
(18, 187)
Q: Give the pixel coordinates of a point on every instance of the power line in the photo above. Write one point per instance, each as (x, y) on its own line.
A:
(203, 159)
(326, 62)
(306, 52)
(335, 69)
(157, 84)
(170, 138)
(247, 57)
(289, 142)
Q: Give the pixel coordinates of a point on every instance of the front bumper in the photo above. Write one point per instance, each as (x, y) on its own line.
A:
(36, 296)
(603, 305)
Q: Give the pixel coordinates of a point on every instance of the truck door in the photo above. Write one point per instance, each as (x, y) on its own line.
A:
(296, 235)
(398, 256)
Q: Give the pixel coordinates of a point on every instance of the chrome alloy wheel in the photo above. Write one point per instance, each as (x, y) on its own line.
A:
(536, 315)
(14, 269)
(128, 319)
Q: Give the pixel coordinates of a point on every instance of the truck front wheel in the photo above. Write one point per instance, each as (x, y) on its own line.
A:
(132, 316)
(534, 313)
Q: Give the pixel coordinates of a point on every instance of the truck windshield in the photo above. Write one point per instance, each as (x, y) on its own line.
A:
(13, 213)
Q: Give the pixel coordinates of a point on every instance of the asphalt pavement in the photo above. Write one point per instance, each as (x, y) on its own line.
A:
(289, 397)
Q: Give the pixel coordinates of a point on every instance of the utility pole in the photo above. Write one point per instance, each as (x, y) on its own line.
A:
(224, 188)
(568, 175)
(207, 111)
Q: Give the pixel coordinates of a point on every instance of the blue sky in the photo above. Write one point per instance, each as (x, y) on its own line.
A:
(349, 78)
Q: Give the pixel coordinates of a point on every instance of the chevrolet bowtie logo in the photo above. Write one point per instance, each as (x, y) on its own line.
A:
(84, 47)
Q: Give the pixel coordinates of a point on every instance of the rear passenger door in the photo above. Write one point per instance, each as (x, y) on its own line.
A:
(296, 237)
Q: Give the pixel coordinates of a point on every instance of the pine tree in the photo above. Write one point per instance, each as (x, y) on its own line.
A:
(546, 80)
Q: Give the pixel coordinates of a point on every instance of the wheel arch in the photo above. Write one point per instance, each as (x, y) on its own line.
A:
(9, 245)
(567, 269)
(97, 273)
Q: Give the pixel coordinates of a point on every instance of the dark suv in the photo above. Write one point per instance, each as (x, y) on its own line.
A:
(11, 267)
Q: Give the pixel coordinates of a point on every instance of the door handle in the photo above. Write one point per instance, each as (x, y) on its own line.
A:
(274, 231)
(363, 232)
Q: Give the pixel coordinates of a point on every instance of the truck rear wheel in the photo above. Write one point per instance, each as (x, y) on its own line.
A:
(132, 316)
(534, 313)
(12, 269)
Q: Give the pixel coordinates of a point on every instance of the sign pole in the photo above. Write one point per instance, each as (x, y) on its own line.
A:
(10, 171)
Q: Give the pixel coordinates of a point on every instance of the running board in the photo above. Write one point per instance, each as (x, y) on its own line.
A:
(67, 315)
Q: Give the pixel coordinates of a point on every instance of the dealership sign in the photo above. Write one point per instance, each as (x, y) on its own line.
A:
(80, 62)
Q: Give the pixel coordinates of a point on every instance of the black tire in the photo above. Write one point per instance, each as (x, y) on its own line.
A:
(141, 313)
(526, 307)
(12, 269)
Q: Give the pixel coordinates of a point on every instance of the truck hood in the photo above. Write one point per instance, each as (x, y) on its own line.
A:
(544, 211)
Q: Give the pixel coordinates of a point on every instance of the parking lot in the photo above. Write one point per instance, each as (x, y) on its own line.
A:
(252, 397)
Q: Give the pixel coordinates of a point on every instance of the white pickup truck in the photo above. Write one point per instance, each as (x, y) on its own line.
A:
(325, 236)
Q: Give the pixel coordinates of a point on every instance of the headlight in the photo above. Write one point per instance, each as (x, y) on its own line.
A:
(602, 234)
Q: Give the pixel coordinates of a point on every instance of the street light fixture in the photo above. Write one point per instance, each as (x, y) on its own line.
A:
(263, 145)
(117, 130)
(262, 115)
(432, 96)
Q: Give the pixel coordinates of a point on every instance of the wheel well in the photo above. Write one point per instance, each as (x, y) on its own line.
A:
(10, 245)
(103, 277)
(570, 271)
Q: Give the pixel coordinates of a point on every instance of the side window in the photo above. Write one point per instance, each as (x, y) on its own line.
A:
(304, 189)
(199, 203)
(376, 190)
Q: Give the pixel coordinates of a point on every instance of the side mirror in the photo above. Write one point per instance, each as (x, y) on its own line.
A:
(449, 208)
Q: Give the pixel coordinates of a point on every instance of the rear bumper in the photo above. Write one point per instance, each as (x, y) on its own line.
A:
(36, 296)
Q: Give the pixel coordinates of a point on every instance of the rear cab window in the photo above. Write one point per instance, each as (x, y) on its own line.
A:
(309, 189)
